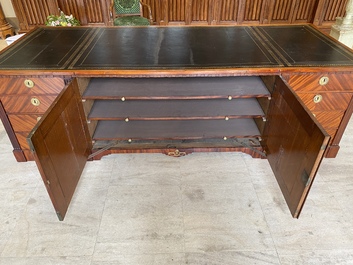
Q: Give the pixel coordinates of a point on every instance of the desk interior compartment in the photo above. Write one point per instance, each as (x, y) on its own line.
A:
(292, 139)
(178, 108)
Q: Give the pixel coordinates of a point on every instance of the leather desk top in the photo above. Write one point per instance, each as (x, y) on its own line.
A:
(157, 48)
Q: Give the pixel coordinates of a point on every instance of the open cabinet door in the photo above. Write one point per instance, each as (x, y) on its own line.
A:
(295, 143)
(61, 144)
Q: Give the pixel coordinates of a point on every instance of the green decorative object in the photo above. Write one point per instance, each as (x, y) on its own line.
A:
(62, 20)
(129, 13)
(131, 21)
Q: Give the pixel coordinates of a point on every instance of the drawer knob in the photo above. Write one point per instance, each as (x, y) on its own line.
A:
(317, 98)
(35, 102)
(324, 80)
(29, 83)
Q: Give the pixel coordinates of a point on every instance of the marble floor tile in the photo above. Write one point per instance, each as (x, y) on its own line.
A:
(320, 204)
(106, 254)
(333, 170)
(322, 257)
(145, 169)
(207, 168)
(143, 219)
(224, 218)
(343, 194)
(220, 199)
(233, 257)
(322, 224)
(259, 170)
(62, 260)
(25, 175)
(296, 241)
(12, 206)
(39, 233)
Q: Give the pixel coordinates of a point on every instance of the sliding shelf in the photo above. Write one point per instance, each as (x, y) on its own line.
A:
(176, 109)
(175, 129)
(176, 88)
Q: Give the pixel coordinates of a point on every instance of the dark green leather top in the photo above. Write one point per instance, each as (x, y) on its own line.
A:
(85, 48)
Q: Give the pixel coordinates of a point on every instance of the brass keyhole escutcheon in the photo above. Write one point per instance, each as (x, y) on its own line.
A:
(324, 80)
(317, 98)
(35, 102)
(29, 83)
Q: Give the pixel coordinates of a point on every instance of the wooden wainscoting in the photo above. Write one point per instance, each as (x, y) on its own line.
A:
(32, 13)
(322, 13)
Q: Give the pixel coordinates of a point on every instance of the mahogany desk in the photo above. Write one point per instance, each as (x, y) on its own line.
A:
(69, 95)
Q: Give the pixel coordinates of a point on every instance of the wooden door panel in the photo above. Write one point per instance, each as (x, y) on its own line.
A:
(295, 143)
(61, 144)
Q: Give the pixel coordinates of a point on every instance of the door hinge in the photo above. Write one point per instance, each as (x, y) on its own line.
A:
(323, 147)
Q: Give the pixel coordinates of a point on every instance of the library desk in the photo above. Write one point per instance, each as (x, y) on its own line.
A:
(70, 95)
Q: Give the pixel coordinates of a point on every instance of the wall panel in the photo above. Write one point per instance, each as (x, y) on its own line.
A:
(228, 10)
(322, 13)
(253, 10)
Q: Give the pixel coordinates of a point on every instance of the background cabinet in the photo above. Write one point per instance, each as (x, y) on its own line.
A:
(322, 13)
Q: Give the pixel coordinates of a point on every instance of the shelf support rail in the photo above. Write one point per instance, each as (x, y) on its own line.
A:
(101, 150)
(249, 146)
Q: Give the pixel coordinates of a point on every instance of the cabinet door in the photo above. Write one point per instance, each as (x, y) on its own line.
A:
(295, 143)
(61, 144)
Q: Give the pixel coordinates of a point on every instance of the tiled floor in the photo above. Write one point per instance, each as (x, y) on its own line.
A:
(202, 209)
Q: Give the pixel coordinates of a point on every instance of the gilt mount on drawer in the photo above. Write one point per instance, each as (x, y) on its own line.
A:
(278, 92)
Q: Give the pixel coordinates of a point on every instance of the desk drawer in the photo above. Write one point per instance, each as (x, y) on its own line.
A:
(321, 82)
(326, 101)
(22, 140)
(32, 86)
(329, 119)
(27, 104)
(23, 123)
